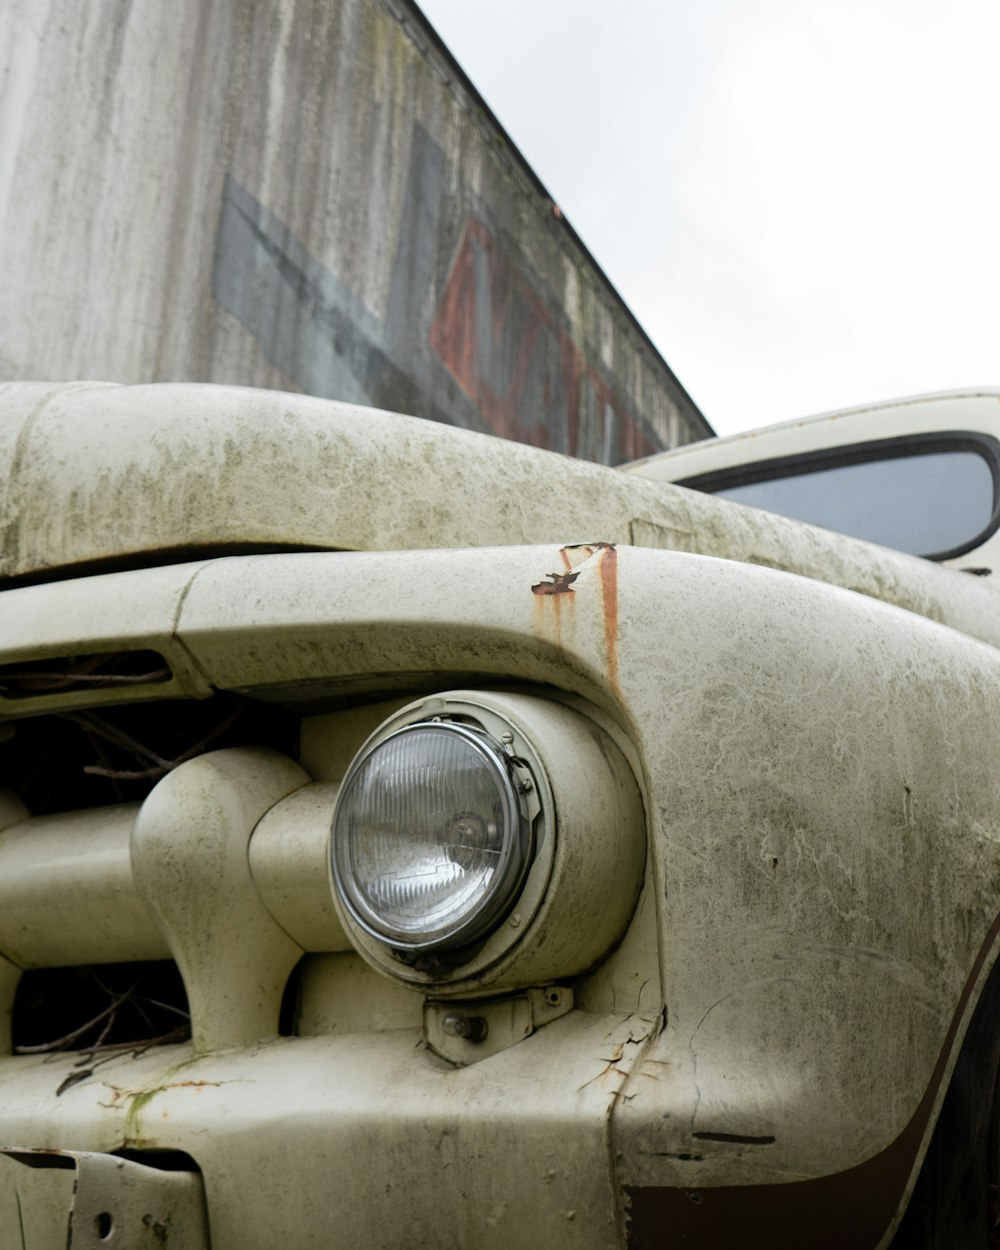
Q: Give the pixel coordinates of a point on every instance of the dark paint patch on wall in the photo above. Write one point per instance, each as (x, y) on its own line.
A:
(499, 337)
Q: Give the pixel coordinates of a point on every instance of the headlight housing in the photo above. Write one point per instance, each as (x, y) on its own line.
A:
(486, 841)
(432, 836)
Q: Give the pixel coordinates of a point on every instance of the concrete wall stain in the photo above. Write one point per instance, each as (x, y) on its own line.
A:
(305, 195)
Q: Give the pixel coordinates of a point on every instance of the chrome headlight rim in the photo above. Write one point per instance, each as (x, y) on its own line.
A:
(517, 793)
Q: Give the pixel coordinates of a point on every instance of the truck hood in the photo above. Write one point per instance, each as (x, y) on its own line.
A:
(101, 476)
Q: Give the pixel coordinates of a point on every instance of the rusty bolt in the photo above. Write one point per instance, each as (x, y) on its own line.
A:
(470, 1028)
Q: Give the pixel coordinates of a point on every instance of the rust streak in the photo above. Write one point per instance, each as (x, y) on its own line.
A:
(609, 590)
(574, 557)
(556, 603)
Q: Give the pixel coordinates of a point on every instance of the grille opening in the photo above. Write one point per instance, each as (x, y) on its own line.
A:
(43, 1159)
(288, 1013)
(100, 1010)
(163, 1160)
(65, 761)
(60, 674)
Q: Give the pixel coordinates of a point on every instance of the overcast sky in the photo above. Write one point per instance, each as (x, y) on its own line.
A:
(799, 199)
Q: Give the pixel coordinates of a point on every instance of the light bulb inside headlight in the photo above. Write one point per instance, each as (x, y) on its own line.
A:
(430, 839)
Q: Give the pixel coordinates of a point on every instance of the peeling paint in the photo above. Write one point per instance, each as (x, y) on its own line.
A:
(558, 584)
(575, 559)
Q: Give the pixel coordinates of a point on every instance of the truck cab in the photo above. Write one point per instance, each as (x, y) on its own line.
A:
(917, 475)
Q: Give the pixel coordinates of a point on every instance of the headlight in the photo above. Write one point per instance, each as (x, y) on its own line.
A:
(431, 838)
(487, 841)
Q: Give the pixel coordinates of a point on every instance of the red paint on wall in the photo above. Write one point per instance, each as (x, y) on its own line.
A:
(508, 352)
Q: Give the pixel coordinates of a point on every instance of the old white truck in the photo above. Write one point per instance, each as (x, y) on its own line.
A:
(414, 839)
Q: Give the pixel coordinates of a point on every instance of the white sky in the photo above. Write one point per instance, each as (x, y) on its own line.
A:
(799, 199)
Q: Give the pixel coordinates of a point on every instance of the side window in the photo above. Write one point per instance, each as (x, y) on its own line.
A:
(935, 496)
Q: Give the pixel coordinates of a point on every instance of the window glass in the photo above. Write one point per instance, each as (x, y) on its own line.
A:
(924, 504)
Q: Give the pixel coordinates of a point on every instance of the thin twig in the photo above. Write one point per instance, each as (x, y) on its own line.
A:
(60, 1043)
(138, 1048)
(101, 751)
(164, 766)
(125, 774)
(167, 1007)
(112, 1052)
(113, 734)
(109, 1024)
(137, 1006)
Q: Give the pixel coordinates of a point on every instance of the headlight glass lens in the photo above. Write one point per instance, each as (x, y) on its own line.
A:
(429, 837)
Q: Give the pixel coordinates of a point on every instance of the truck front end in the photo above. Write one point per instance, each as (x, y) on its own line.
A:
(411, 839)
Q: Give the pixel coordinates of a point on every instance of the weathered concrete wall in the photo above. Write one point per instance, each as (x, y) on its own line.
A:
(300, 194)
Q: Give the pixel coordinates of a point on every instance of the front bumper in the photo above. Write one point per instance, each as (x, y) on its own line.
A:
(360, 1140)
